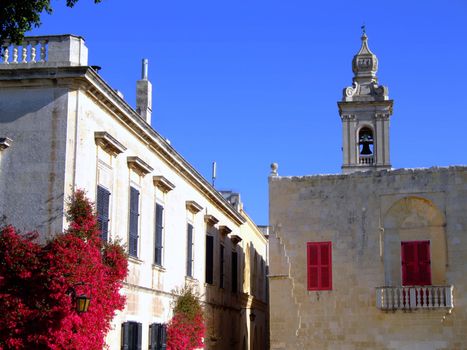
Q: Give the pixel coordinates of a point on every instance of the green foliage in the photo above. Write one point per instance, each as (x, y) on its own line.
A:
(187, 302)
(20, 16)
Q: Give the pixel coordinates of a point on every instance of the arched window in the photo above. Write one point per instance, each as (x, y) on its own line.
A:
(365, 141)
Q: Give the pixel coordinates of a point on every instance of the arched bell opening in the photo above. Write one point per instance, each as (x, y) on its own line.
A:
(366, 146)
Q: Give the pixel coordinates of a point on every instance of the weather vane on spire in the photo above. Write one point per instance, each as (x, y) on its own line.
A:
(363, 29)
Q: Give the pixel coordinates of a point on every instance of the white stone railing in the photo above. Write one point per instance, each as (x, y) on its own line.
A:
(53, 50)
(414, 297)
(365, 159)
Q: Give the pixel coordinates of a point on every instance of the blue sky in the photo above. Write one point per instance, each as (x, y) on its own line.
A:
(246, 83)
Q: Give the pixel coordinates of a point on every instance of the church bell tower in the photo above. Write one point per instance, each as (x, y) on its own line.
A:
(365, 110)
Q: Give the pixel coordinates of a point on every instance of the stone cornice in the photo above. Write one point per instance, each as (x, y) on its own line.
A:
(193, 207)
(348, 106)
(138, 165)
(210, 220)
(87, 80)
(235, 239)
(163, 184)
(108, 143)
(224, 230)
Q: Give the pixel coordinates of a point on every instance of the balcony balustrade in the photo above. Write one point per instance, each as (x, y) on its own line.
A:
(366, 159)
(414, 297)
(44, 51)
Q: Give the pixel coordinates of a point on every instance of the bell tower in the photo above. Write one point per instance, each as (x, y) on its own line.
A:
(365, 110)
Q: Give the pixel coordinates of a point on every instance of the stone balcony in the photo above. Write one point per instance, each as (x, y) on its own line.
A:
(45, 51)
(414, 297)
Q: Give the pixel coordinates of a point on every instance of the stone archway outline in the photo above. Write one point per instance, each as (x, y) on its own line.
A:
(414, 218)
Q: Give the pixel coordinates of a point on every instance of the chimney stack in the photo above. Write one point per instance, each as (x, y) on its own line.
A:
(144, 94)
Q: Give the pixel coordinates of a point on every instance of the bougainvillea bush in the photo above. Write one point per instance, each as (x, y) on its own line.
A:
(37, 309)
(185, 330)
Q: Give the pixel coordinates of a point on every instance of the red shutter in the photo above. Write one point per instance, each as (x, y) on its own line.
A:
(326, 272)
(313, 266)
(416, 269)
(424, 263)
(319, 266)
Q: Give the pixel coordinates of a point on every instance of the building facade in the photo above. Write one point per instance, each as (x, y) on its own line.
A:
(62, 127)
(373, 258)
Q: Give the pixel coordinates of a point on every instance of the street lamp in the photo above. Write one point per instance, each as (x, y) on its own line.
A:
(82, 301)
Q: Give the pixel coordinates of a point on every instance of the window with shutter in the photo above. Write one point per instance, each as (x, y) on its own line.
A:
(134, 218)
(234, 272)
(157, 336)
(209, 259)
(189, 254)
(158, 235)
(102, 206)
(221, 266)
(131, 335)
(319, 265)
(416, 264)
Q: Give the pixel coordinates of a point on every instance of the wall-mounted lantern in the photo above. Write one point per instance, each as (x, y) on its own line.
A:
(81, 301)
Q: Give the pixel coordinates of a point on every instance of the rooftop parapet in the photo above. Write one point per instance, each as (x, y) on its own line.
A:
(45, 51)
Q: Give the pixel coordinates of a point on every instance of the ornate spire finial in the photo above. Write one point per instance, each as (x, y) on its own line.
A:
(363, 29)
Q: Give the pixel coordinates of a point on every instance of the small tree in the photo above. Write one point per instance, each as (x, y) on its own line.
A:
(17, 17)
(186, 329)
(36, 306)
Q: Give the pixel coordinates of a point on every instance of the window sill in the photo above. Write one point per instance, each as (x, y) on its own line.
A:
(135, 260)
(158, 268)
(190, 279)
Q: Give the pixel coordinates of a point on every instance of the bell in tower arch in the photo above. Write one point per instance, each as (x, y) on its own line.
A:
(365, 141)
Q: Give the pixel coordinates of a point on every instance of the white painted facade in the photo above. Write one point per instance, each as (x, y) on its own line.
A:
(62, 128)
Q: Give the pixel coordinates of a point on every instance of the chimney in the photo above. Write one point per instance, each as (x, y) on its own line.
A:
(144, 94)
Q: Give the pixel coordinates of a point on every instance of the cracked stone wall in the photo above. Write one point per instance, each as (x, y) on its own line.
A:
(366, 215)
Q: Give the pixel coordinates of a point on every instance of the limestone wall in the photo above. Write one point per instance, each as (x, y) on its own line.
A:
(53, 124)
(32, 169)
(366, 216)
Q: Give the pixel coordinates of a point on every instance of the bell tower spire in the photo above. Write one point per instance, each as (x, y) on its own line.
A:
(365, 110)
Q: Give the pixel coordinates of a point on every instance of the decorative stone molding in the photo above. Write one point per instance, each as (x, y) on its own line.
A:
(5, 142)
(138, 165)
(108, 143)
(274, 167)
(193, 207)
(381, 116)
(224, 230)
(348, 117)
(210, 220)
(235, 239)
(163, 184)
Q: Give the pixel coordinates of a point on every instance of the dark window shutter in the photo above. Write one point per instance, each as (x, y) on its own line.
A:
(319, 265)
(125, 336)
(234, 272)
(189, 255)
(139, 335)
(221, 267)
(152, 336)
(162, 337)
(102, 206)
(134, 214)
(209, 259)
(158, 238)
